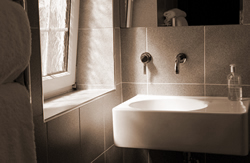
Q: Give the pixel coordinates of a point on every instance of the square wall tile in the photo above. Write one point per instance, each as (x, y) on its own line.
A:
(64, 138)
(133, 44)
(130, 90)
(222, 90)
(176, 89)
(114, 155)
(92, 130)
(165, 43)
(95, 60)
(95, 14)
(216, 90)
(246, 91)
(225, 45)
(110, 100)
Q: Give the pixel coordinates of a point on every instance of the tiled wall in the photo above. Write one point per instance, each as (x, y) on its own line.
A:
(209, 51)
(86, 133)
(95, 68)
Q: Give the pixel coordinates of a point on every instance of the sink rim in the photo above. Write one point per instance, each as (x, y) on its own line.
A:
(215, 104)
(183, 130)
(169, 105)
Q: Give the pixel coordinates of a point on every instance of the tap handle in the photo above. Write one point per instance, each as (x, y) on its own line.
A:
(145, 58)
(144, 68)
(176, 67)
(180, 58)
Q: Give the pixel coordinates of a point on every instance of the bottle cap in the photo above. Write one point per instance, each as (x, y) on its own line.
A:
(232, 67)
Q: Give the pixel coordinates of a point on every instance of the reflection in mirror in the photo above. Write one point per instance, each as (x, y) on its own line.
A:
(202, 12)
(149, 13)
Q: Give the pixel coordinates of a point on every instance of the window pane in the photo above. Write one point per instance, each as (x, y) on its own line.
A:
(44, 12)
(57, 52)
(54, 23)
(58, 14)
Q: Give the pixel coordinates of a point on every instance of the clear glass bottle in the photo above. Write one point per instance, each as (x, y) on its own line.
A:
(234, 85)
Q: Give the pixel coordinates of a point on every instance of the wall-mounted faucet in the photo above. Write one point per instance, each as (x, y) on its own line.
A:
(180, 58)
(145, 58)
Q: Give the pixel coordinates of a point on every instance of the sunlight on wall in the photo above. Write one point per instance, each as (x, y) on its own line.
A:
(95, 65)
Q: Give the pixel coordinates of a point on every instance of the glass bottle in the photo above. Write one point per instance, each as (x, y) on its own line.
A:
(234, 85)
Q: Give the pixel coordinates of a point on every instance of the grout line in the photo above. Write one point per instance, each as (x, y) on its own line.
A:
(147, 70)
(205, 92)
(118, 83)
(104, 134)
(86, 29)
(79, 112)
(133, 83)
(102, 154)
(177, 83)
(181, 84)
(120, 54)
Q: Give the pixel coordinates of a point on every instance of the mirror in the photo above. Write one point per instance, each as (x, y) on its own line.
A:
(203, 12)
(149, 13)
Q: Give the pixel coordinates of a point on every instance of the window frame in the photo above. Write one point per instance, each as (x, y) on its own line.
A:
(61, 83)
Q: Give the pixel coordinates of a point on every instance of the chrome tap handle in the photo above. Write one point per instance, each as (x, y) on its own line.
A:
(176, 66)
(145, 58)
(180, 58)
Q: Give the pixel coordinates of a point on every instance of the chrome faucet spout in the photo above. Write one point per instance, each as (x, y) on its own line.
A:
(180, 58)
(176, 66)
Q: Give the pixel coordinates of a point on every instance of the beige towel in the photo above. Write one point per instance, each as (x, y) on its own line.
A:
(15, 41)
(16, 125)
(181, 21)
(173, 13)
(17, 143)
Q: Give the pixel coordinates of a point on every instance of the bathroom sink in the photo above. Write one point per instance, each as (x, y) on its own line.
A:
(169, 104)
(183, 123)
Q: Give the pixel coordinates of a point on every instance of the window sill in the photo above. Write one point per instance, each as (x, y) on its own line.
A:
(63, 104)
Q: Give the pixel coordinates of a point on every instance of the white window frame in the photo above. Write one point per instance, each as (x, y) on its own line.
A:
(61, 83)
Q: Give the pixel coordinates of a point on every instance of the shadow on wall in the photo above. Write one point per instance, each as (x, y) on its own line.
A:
(153, 70)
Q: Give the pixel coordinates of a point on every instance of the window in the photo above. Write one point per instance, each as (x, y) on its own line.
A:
(58, 35)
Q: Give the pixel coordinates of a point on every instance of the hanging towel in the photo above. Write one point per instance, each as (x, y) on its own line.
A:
(17, 143)
(181, 21)
(16, 125)
(15, 41)
(174, 13)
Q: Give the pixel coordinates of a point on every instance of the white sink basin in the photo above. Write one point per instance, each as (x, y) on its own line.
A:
(169, 104)
(183, 123)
